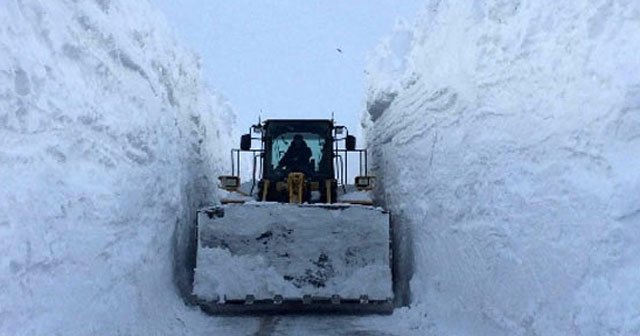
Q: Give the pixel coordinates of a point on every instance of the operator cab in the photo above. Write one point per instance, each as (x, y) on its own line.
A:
(299, 161)
(285, 145)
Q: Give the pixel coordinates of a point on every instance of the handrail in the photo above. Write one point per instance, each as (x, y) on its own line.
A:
(362, 156)
(235, 159)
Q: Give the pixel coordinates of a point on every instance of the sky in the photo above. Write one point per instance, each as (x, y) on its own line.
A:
(279, 58)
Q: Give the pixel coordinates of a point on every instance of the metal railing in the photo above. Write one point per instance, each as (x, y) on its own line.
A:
(341, 162)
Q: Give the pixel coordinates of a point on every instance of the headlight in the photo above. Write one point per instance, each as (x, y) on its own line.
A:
(229, 183)
(364, 182)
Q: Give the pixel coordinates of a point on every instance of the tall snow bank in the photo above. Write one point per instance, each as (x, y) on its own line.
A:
(506, 137)
(108, 142)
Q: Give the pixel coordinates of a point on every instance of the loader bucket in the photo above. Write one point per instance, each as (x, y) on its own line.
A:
(272, 258)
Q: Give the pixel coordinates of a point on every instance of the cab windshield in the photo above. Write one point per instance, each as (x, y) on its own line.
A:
(281, 144)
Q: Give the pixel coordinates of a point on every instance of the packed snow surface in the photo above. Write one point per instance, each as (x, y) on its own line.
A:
(269, 249)
(234, 196)
(356, 196)
(505, 136)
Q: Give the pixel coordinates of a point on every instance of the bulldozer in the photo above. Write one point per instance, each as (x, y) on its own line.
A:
(296, 238)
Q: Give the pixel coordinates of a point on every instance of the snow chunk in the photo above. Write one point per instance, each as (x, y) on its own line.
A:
(221, 274)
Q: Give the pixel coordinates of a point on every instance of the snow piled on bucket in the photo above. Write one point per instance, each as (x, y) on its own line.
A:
(505, 136)
(108, 144)
(269, 249)
(221, 274)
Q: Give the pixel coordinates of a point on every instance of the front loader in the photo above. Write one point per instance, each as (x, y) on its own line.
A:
(296, 238)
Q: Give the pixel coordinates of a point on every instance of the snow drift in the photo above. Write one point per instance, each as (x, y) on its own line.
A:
(108, 143)
(506, 137)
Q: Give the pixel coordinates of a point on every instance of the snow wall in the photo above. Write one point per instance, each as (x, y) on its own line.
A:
(108, 142)
(506, 135)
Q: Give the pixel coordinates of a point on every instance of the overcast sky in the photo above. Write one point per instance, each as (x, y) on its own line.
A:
(280, 56)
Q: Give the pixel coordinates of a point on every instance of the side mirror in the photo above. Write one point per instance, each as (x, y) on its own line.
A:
(245, 142)
(350, 143)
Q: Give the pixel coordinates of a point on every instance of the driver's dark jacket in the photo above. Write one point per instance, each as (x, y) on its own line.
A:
(297, 158)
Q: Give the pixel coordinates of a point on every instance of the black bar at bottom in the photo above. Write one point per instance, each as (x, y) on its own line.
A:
(298, 307)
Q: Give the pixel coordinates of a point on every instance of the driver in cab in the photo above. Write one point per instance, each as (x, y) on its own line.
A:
(296, 159)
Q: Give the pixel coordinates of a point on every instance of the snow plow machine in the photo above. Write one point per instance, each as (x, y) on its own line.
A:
(296, 238)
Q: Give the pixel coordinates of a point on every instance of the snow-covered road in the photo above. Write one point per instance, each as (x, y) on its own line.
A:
(333, 325)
